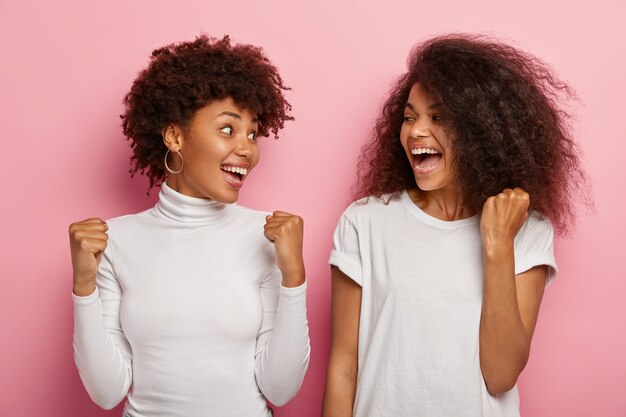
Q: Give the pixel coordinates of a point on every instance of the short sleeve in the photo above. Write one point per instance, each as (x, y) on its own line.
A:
(346, 254)
(534, 246)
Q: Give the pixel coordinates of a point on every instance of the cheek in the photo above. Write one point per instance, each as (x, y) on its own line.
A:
(404, 136)
(255, 157)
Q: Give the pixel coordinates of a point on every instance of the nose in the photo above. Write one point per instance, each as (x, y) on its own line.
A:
(420, 128)
(244, 148)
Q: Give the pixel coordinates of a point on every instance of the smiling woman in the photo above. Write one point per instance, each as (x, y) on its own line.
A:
(219, 149)
(439, 271)
(197, 304)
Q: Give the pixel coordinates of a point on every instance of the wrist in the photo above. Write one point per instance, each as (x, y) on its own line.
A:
(84, 289)
(293, 277)
(496, 249)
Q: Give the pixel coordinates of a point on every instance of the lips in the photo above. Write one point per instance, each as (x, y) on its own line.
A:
(234, 180)
(425, 160)
(234, 174)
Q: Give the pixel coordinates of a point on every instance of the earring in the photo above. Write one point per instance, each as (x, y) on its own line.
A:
(182, 162)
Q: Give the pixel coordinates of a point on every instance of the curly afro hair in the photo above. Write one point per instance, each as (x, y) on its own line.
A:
(182, 78)
(501, 107)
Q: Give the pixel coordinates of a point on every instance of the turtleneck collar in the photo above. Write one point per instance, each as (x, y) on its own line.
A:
(183, 208)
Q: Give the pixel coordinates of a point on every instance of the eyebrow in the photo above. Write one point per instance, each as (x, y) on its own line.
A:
(434, 106)
(235, 116)
(229, 113)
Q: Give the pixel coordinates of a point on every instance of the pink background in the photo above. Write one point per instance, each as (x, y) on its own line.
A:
(66, 67)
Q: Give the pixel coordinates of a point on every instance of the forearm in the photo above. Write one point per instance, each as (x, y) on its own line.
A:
(504, 343)
(105, 373)
(283, 363)
(340, 389)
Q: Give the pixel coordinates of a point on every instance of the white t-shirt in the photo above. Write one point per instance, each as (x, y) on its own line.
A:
(189, 317)
(422, 282)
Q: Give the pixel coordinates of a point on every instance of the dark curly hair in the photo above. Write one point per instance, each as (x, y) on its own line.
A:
(184, 77)
(501, 107)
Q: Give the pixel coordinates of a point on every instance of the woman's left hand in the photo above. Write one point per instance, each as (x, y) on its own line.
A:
(286, 231)
(502, 217)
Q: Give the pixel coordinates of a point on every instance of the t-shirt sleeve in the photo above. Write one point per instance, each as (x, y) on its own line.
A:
(534, 246)
(346, 254)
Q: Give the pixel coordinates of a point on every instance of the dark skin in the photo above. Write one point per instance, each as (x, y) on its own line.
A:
(221, 135)
(510, 302)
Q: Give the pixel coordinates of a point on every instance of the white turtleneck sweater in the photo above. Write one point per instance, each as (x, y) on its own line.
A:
(189, 317)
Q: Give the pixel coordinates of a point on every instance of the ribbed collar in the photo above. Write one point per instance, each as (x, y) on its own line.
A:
(183, 208)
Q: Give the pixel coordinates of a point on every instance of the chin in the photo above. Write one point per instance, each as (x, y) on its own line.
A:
(228, 198)
(427, 185)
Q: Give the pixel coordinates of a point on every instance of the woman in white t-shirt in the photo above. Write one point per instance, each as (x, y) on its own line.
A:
(438, 271)
(197, 306)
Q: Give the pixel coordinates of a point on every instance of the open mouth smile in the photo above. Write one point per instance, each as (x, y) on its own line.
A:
(425, 159)
(234, 175)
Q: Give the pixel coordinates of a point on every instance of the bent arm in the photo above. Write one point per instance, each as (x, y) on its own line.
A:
(341, 376)
(101, 351)
(509, 315)
(283, 347)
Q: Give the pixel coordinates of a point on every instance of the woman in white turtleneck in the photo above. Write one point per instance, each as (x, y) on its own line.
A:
(195, 307)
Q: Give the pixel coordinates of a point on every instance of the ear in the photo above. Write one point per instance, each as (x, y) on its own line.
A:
(173, 136)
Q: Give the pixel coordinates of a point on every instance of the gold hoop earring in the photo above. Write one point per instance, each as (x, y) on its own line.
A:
(182, 162)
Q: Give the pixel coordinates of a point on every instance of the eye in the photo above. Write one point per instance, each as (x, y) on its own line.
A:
(436, 118)
(408, 118)
(227, 130)
(252, 136)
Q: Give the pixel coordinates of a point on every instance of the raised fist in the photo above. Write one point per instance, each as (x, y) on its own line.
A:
(88, 240)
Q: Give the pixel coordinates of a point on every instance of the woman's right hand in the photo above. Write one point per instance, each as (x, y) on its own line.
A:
(88, 240)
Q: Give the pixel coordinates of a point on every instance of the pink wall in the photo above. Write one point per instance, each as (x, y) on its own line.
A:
(65, 69)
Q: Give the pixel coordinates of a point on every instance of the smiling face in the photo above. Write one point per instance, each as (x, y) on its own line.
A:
(219, 150)
(424, 140)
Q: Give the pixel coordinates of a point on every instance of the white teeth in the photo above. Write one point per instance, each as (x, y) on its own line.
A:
(238, 170)
(420, 151)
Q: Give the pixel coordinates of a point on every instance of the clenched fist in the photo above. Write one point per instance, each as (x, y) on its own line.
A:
(286, 232)
(502, 217)
(88, 240)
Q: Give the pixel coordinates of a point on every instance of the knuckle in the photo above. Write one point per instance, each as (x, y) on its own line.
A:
(76, 226)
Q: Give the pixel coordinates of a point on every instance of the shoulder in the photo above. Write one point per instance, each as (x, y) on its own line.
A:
(535, 234)
(372, 206)
(130, 223)
(129, 219)
(247, 214)
(534, 245)
(536, 224)
(247, 211)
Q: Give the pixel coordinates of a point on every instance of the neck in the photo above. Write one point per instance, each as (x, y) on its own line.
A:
(187, 209)
(444, 204)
